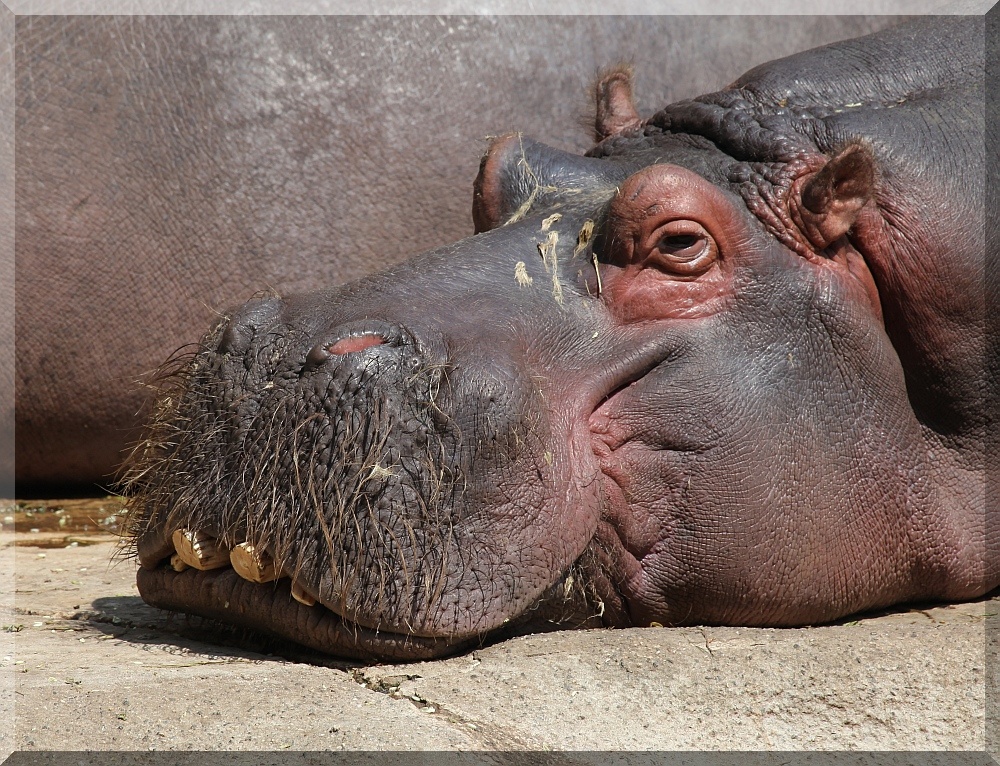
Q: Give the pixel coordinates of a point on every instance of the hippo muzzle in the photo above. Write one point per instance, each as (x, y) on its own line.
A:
(389, 476)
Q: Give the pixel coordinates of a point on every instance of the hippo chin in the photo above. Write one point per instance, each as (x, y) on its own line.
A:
(729, 367)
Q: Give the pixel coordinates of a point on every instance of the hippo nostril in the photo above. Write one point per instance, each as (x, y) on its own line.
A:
(355, 343)
(317, 355)
(321, 352)
(246, 321)
(233, 340)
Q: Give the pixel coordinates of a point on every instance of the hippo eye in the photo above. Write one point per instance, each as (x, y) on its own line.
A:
(685, 247)
(682, 247)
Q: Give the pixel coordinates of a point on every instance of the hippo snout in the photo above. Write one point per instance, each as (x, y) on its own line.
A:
(352, 417)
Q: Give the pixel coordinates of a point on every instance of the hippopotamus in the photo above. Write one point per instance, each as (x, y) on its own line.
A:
(728, 366)
(169, 167)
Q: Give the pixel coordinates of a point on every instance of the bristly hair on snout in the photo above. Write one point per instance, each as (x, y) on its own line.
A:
(350, 486)
(140, 477)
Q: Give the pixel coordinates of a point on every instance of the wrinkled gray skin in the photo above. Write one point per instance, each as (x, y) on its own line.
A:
(169, 168)
(729, 367)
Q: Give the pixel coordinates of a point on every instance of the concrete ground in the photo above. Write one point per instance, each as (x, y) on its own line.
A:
(87, 665)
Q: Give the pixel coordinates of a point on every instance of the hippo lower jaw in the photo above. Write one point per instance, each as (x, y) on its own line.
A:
(221, 594)
(208, 580)
(282, 607)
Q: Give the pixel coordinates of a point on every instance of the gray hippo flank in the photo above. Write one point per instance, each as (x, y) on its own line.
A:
(169, 167)
(727, 367)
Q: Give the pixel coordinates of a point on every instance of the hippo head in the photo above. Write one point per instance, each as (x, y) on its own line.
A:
(652, 389)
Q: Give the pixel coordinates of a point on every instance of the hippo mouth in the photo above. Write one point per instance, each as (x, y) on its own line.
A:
(266, 600)
(246, 588)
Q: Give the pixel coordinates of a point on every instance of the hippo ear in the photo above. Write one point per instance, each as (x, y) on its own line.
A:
(615, 111)
(830, 201)
(517, 173)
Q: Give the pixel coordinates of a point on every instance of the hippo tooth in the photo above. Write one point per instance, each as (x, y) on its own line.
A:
(177, 563)
(253, 564)
(301, 596)
(199, 550)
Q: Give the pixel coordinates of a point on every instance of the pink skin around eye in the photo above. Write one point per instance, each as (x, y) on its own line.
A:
(650, 283)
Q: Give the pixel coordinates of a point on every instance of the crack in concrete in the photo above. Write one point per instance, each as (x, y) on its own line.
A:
(487, 735)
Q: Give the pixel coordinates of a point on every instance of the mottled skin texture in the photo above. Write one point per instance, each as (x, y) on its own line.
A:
(169, 168)
(729, 367)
